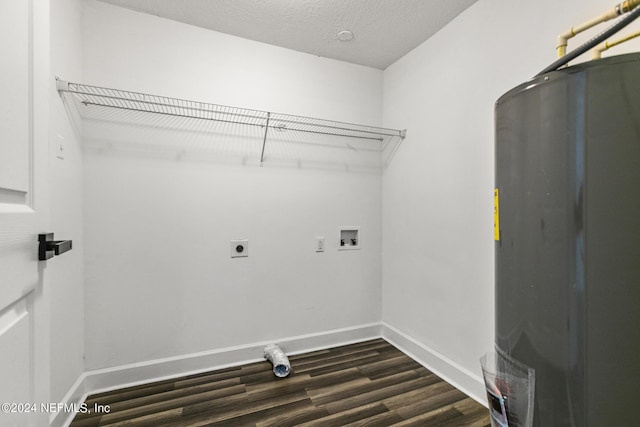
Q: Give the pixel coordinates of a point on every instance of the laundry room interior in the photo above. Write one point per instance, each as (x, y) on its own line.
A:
(199, 241)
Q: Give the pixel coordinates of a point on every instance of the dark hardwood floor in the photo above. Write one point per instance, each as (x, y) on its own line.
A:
(365, 384)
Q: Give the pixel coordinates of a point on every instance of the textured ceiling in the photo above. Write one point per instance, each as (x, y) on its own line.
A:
(384, 30)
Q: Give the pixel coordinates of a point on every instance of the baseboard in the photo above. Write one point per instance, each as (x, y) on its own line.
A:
(73, 399)
(464, 380)
(102, 380)
(107, 379)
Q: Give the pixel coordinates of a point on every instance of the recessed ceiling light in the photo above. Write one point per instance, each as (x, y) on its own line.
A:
(345, 36)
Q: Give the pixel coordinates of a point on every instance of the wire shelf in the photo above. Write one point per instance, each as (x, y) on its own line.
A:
(94, 96)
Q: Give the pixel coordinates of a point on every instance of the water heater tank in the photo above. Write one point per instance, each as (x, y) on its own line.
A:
(567, 244)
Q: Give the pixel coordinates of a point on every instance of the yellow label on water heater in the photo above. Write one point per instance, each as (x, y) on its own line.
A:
(496, 215)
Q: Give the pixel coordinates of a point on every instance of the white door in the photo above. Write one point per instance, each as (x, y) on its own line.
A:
(24, 348)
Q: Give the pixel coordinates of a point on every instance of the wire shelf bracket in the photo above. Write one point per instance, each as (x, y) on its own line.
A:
(88, 95)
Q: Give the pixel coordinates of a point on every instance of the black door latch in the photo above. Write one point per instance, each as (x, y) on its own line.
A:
(48, 247)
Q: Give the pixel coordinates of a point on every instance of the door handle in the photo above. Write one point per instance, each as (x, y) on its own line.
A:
(48, 247)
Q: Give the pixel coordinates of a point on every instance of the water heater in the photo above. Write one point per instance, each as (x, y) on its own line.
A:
(567, 237)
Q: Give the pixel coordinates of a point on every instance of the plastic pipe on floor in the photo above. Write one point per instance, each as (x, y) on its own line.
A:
(279, 360)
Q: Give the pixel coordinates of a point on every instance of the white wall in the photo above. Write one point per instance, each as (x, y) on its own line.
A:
(160, 207)
(65, 185)
(437, 193)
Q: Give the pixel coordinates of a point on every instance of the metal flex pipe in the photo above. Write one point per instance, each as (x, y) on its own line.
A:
(280, 361)
(614, 12)
(595, 40)
(596, 53)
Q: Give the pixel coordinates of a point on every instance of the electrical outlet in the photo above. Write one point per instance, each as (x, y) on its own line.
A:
(319, 244)
(239, 248)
